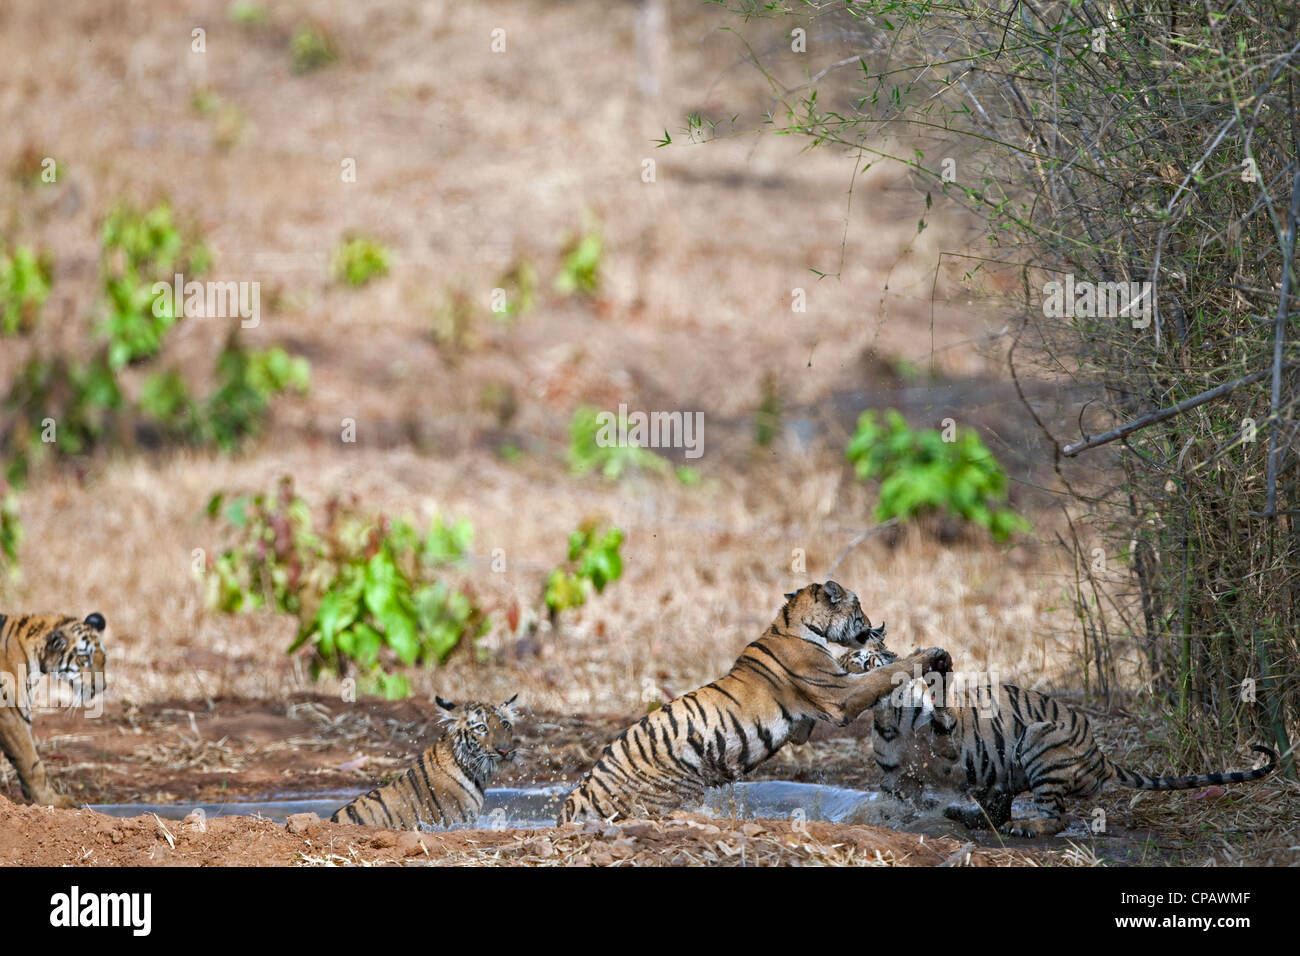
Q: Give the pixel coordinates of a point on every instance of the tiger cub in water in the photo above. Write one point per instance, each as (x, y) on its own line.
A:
(1015, 740)
(446, 784)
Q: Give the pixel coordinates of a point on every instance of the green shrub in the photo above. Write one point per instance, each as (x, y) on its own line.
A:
(11, 532)
(359, 260)
(310, 48)
(580, 271)
(139, 249)
(593, 563)
(587, 454)
(25, 279)
(366, 591)
(921, 473)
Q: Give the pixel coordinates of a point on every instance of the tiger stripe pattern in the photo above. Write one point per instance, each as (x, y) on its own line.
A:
(778, 688)
(1013, 742)
(71, 652)
(445, 786)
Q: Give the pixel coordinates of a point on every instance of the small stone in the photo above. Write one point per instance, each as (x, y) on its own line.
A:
(116, 836)
(300, 823)
(636, 831)
(751, 829)
(384, 841)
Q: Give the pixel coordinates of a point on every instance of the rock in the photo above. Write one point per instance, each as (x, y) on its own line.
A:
(384, 841)
(637, 830)
(300, 823)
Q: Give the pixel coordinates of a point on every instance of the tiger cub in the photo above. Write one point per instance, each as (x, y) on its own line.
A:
(780, 685)
(1014, 741)
(67, 649)
(446, 784)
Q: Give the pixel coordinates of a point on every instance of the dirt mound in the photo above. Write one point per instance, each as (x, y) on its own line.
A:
(47, 837)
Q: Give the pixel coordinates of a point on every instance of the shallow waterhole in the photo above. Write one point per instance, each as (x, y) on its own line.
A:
(533, 808)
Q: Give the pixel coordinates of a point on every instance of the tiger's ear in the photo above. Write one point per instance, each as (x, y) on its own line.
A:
(834, 593)
(792, 595)
(96, 620)
(443, 704)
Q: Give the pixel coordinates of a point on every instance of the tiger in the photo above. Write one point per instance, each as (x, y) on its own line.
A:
(71, 652)
(1014, 741)
(445, 786)
(777, 689)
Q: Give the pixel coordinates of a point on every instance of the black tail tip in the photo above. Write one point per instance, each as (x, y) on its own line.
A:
(1269, 752)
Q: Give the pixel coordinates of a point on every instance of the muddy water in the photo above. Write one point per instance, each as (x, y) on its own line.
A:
(533, 808)
(537, 807)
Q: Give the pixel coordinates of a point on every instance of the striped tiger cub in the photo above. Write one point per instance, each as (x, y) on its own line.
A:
(446, 784)
(780, 685)
(1015, 741)
(71, 652)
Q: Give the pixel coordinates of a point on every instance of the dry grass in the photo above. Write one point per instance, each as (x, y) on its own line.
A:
(467, 161)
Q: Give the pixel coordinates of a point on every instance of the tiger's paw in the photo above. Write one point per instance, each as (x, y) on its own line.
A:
(934, 659)
(972, 818)
(1033, 828)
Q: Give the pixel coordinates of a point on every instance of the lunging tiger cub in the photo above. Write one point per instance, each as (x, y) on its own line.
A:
(779, 686)
(1014, 741)
(69, 651)
(446, 784)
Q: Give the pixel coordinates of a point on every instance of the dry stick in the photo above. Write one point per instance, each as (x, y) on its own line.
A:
(1279, 340)
(1152, 418)
(857, 541)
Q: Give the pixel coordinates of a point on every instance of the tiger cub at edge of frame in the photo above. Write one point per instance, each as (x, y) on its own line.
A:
(1016, 741)
(446, 783)
(778, 688)
(72, 653)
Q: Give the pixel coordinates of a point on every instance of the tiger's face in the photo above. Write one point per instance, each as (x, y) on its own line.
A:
(832, 614)
(73, 654)
(483, 734)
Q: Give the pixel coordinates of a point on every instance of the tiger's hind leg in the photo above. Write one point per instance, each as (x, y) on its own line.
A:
(993, 810)
(1047, 762)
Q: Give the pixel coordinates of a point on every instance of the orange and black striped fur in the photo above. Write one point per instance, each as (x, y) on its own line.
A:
(446, 784)
(1015, 741)
(780, 685)
(69, 651)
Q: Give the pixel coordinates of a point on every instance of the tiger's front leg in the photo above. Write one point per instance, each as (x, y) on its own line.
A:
(865, 690)
(16, 741)
(992, 811)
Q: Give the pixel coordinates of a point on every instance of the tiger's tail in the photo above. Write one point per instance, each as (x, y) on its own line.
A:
(1141, 781)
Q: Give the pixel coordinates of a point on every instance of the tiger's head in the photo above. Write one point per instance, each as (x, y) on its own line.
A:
(830, 614)
(482, 735)
(70, 651)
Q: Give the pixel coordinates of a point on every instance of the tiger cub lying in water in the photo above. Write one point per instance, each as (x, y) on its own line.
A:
(1016, 740)
(446, 784)
(779, 687)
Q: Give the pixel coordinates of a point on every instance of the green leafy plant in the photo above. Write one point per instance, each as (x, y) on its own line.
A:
(593, 562)
(139, 249)
(580, 271)
(367, 591)
(25, 279)
(310, 48)
(359, 260)
(57, 406)
(520, 287)
(587, 453)
(11, 532)
(921, 473)
(767, 420)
